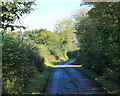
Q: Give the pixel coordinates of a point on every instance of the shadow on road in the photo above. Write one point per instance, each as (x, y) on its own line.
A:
(66, 80)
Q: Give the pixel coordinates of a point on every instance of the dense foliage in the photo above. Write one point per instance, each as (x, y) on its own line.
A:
(26, 54)
(20, 62)
(98, 33)
(59, 41)
(65, 30)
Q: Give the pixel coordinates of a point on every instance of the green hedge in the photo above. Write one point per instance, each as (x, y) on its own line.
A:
(21, 60)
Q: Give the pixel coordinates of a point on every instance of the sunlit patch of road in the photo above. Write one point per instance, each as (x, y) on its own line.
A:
(65, 79)
(60, 66)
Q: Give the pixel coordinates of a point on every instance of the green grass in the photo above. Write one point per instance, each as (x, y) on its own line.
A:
(109, 86)
(39, 82)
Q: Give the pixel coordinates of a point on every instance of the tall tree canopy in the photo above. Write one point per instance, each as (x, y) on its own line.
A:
(41, 36)
(12, 11)
(99, 39)
(65, 29)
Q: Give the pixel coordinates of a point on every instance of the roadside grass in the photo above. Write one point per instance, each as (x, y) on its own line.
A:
(109, 86)
(39, 82)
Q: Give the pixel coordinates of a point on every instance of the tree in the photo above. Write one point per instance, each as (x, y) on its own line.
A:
(41, 36)
(98, 35)
(12, 11)
(65, 29)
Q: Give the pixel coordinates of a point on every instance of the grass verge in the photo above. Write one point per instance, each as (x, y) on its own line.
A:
(109, 86)
(39, 82)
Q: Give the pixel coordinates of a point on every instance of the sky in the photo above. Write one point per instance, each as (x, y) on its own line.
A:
(48, 12)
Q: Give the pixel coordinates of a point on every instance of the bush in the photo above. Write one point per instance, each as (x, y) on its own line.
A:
(73, 54)
(46, 54)
(57, 53)
(20, 62)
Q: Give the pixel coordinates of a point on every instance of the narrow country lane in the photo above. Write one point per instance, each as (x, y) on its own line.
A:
(69, 81)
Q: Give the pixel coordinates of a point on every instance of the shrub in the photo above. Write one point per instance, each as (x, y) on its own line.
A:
(57, 53)
(20, 62)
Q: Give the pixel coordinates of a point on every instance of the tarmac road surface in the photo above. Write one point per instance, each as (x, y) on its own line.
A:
(69, 81)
